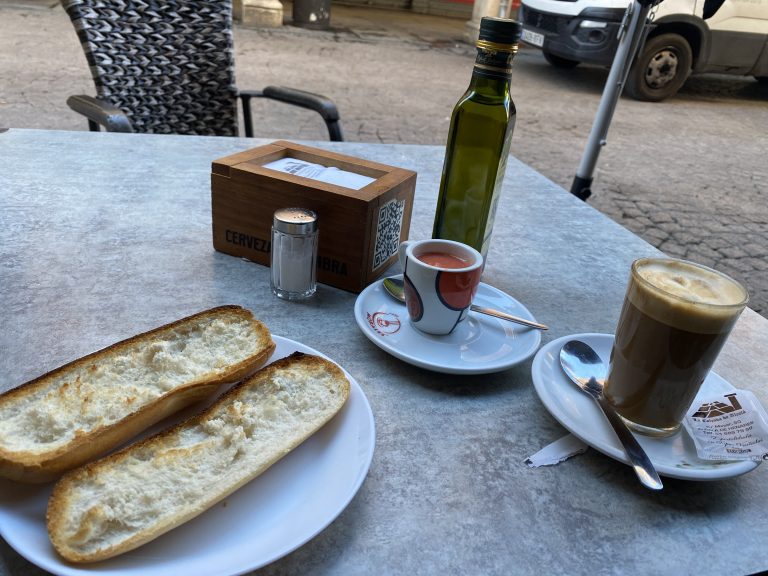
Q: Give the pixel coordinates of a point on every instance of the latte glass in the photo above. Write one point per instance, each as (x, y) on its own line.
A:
(675, 319)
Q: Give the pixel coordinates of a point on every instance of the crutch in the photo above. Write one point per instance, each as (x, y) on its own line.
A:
(632, 33)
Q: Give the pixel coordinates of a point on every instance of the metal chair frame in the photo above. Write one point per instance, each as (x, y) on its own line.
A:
(167, 66)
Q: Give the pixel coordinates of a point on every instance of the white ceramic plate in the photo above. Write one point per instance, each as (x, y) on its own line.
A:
(480, 344)
(266, 519)
(674, 457)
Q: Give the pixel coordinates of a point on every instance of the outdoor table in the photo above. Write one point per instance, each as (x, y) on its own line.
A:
(106, 235)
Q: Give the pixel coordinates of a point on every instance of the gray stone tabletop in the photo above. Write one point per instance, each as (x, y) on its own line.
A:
(106, 235)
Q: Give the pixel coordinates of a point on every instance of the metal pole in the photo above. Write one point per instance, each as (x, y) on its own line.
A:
(632, 32)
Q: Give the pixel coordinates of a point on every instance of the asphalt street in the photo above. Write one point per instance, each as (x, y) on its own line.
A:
(688, 175)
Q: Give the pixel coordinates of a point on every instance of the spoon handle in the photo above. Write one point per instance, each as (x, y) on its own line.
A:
(637, 456)
(505, 316)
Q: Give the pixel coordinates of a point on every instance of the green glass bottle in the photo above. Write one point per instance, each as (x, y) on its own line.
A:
(478, 141)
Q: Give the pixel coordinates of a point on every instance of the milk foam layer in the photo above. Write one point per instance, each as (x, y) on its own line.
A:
(686, 295)
(691, 282)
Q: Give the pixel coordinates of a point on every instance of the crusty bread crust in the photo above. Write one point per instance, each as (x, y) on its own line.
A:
(128, 498)
(52, 423)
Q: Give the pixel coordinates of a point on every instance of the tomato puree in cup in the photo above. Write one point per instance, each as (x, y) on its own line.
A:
(443, 260)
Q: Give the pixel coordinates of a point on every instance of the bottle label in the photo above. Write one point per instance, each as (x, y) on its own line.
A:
(494, 60)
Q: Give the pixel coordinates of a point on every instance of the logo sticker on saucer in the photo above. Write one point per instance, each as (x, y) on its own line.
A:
(384, 323)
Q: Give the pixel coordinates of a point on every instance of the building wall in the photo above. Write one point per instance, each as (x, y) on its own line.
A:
(451, 8)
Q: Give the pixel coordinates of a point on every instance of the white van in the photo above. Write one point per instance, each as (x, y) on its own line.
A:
(723, 36)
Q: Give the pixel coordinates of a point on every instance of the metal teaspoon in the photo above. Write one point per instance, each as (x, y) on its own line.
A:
(395, 288)
(582, 365)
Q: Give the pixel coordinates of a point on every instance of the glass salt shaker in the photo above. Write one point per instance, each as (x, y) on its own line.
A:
(294, 253)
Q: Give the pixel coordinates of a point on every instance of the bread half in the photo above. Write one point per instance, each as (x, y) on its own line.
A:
(133, 496)
(85, 408)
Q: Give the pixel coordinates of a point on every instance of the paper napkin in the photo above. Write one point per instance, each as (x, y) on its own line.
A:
(559, 451)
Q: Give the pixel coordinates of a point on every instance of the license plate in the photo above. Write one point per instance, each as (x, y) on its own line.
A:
(533, 38)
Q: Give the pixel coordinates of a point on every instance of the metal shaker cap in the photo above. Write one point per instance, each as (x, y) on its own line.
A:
(297, 221)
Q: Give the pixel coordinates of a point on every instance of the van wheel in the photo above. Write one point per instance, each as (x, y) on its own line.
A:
(661, 68)
(559, 62)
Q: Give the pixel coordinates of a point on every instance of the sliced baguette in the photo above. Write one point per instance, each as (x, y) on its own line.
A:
(85, 408)
(133, 496)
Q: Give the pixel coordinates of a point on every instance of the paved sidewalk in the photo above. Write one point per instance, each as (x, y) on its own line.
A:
(688, 175)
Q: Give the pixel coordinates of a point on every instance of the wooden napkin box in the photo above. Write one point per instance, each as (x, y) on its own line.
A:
(360, 230)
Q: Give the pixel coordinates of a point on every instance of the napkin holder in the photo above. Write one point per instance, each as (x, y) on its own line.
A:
(360, 230)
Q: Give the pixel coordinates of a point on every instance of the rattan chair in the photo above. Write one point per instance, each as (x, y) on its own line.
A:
(167, 67)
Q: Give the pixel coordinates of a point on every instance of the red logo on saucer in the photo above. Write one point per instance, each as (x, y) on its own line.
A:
(384, 323)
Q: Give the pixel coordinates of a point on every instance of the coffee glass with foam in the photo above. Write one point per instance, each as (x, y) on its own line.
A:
(440, 280)
(675, 319)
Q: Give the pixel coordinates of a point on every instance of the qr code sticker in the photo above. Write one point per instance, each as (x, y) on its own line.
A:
(388, 231)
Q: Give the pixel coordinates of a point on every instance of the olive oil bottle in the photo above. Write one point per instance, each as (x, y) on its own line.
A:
(478, 141)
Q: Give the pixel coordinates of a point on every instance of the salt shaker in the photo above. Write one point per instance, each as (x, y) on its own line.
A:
(294, 253)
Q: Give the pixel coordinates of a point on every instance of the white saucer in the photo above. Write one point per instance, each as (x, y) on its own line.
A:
(479, 345)
(674, 457)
